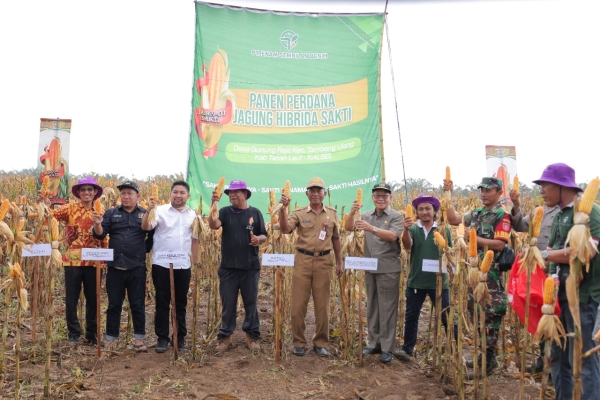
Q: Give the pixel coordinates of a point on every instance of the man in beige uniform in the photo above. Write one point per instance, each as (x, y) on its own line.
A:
(318, 235)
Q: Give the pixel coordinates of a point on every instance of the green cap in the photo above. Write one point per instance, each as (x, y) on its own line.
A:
(490, 183)
(316, 182)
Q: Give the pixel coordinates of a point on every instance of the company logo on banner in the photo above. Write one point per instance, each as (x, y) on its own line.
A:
(502, 163)
(53, 156)
(265, 115)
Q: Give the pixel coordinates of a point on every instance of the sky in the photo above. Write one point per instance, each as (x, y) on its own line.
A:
(467, 74)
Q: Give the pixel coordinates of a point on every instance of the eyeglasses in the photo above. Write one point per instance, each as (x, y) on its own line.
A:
(381, 196)
(86, 189)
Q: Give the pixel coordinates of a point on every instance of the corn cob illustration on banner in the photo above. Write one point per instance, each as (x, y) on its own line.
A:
(53, 153)
(216, 102)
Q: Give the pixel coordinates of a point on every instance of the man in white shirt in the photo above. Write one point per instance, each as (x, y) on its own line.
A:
(172, 233)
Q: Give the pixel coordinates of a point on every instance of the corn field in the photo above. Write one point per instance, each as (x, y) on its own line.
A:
(31, 289)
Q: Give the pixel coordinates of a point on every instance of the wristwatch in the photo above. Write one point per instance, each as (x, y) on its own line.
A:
(544, 254)
(375, 229)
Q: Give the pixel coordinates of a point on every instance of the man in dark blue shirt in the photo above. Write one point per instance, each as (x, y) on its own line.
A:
(127, 271)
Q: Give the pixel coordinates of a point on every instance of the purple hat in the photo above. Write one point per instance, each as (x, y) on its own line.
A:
(86, 181)
(559, 174)
(238, 185)
(423, 198)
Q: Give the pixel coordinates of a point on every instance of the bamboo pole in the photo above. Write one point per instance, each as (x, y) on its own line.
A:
(277, 314)
(34, 299)
(195, 301)
(360, 319)
(173, 312)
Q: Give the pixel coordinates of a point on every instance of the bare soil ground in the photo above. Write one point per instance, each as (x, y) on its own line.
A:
(236, 374)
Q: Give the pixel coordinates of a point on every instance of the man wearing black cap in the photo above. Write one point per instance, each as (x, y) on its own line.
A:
(493, 226)
(127, 271)
(558, 188)
(383, 227)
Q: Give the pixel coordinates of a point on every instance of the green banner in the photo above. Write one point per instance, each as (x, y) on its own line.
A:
(284, 96)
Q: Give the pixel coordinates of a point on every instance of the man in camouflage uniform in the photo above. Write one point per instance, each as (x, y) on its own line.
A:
(493, 226)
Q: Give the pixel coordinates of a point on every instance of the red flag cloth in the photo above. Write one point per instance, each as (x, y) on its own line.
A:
(517, 294)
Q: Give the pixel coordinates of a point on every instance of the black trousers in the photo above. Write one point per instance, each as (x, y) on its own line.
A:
(134, 282)
(75, 277)
(162, 287)
(233, 281)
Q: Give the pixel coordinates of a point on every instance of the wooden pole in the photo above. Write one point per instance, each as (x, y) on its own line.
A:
(34, 299)
(277, 314)
(98, 299)
(360, 323)
(195, 301)
(173, 311)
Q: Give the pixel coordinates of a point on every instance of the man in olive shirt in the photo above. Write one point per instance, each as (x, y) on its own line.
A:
(558, 188)
(424, 265)
(318, 235)
(383, 227)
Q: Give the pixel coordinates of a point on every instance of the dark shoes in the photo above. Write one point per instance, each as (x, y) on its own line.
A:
(402, 355)
(491, 363)
(161, 345)
(299, 351)
(385, 357)
(539, 366)
(369, 351)
(321, 351)
(181, 345)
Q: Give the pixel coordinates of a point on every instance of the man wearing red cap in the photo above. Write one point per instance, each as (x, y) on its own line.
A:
(382, 228)
(424, 265)
(558, 188)
(78, 218)
(243, 231)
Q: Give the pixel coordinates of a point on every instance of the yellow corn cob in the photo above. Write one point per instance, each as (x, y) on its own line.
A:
(461, 230)
(486, 263)
(4, 209)
(154, 194)
(536, 223)
(472, 242)
(549, 291)
(54, 228)
(448, 175)
(219, 188)
(32, 215)
(516, 184)
(216, 74)
(408, 212)
(45, 183)
(439, 240)
(271, 199)
(20, 225)
(98, 206)
(15, 271)
(286, 191)
(359, 196)
(589, 196)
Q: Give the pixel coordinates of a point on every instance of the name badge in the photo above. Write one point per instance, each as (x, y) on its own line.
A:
(322, 235)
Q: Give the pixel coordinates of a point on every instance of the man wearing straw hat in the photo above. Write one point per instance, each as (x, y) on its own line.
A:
(78, 218)
(424, 265)
(318, 235)
(558, 188)
(493, 226)
(172, 232)
(243, 231)
(382, 227)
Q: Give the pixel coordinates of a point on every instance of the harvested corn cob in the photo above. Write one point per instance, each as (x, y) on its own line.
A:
(285, 191)
(439, 240)
(589, 196)
(516, 184)
(408, 211)
(536, 222)
(4, 209)
(153, 197)
(359, 199)
(98, 206)
(481, 293)
(448, 179)
(486, 263)
(472, 242)
(549, 326)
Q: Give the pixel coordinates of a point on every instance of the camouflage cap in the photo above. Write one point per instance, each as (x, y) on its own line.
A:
(316, 182)
(490, 183)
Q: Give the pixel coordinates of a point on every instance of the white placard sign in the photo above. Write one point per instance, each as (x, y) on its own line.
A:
(366, 264)
(97, 254)
(434, 266)
(170, 257)
(277, 260)
(37, 250)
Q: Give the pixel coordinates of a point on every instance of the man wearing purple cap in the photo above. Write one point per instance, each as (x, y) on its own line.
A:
(424, 265)
(243, 231)
(382, 227)
(78, 218)
(558, 188)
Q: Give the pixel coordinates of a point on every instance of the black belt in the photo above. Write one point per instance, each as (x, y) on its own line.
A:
(310, 253)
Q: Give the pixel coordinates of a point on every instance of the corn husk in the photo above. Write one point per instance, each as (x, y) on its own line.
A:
(532, 256)
(18, 280)
(481, 293)
(549, 326)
